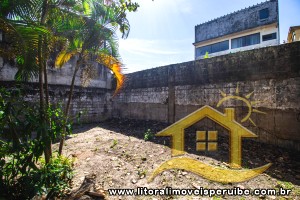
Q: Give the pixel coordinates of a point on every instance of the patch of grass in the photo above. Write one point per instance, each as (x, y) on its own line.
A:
(285, 185)
(297, 191)
(216, 198)
(148, 135)
(114, 144)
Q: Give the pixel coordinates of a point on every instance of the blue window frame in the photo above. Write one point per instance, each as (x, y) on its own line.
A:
(212, 48)
(245, 41)
(264, 13)
(271, 36)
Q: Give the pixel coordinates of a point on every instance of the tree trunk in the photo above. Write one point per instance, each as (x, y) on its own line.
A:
(62, 139)
(48, 148)
(42, 105)
(41, 58)
(46, 73)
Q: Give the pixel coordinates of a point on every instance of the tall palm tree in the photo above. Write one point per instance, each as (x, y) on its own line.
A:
(24, 36)
(94, 39)
(86, 28)
(28, 34)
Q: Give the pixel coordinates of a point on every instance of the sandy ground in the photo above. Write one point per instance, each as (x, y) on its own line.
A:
(116, 152)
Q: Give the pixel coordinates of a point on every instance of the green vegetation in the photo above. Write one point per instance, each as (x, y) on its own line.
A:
(148, 135)
(142, 172)
(23, 172)
(114, 144)
(35, 31)
(286, 185)
(206, 55)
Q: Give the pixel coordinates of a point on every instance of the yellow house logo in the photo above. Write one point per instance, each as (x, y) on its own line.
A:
(236, 133)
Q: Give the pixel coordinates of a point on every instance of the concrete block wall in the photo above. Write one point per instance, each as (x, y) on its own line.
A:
(61, 76)
(93, 101)
(171, 92)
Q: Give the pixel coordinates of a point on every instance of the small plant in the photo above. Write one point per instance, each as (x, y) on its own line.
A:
(54, 178)
(115, 142)
(285, 185)
(142, 173)
(206, 55)
(148, 135)
(216, 198)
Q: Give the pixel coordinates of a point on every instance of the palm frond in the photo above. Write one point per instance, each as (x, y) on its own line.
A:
(63, 57)
(115, 66)
(19, 9)
(21, 43)
(27, 68)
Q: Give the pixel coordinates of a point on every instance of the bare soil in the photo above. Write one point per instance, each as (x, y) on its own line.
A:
(116, 152)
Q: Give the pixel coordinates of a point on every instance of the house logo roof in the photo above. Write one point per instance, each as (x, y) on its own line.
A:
(236, 133)
(236, 130)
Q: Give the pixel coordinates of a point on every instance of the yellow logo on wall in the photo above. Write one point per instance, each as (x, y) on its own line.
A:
(236, 133)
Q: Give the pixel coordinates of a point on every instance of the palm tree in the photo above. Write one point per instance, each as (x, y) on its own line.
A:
(24, 36)
(94, 39)
(86, 28)
(28, 30)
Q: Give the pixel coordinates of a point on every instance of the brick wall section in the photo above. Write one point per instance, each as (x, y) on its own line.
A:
(93, 101)
(171, 92)
(61, 76)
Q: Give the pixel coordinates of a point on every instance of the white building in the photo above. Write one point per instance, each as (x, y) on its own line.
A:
(249, 28)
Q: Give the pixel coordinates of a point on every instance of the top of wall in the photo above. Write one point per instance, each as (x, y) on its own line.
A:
(275, 62)
(241, 20)
(101, 76)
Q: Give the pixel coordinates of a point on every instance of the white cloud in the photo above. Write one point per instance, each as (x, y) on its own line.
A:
(139, 54)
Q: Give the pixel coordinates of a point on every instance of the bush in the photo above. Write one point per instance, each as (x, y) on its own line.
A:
(22, 171)
(54, 178)
(148, 135)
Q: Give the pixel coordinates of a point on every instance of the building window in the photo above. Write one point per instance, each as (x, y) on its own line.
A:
(294, 37)
(212, 48)
(264, 13)
(245, 41)
(271, 36)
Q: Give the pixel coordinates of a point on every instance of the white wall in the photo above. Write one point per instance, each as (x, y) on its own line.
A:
(263, 31)
(61, 76)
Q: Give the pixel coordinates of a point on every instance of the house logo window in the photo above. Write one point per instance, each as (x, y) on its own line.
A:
(208, 141)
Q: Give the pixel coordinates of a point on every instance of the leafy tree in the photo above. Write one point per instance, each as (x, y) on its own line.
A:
(21, 147)
(93, 38)
(34, 29)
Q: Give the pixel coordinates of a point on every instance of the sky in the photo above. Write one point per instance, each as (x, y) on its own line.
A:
(162, 32)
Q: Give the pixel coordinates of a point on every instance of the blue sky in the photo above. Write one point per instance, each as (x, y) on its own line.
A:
(162, 31)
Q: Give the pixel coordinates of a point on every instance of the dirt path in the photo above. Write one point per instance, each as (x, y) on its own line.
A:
(120, 157)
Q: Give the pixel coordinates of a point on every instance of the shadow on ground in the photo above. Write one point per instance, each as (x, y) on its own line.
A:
(285, 163)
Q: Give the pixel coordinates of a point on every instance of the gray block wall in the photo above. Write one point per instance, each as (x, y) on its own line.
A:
(171, 92)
